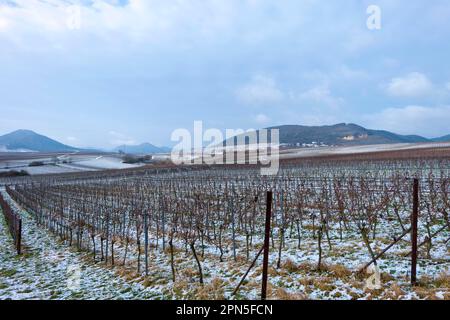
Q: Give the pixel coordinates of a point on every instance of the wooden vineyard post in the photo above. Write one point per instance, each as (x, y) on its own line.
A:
(414, 219)
(146, 242)
(19, 236)
(266, 245)
(14, 223)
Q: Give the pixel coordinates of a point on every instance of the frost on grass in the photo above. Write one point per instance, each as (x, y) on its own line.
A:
(49, 270)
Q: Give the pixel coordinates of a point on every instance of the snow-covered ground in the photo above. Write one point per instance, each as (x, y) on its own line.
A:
(323, 151)
(48, 269)
(65, 163)
(99, 163)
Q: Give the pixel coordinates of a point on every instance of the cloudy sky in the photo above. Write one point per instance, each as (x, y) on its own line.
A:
(107, 72)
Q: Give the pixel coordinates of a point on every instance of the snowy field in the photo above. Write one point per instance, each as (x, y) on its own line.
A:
(48, 270)
(329, 151)
(200, 206)
(62, 163)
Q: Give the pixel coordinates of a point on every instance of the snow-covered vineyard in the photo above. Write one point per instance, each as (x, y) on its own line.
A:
(192, 234)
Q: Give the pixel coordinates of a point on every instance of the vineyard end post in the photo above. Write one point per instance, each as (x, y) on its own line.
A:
(414, 222)
(266, 245)
(19, 237)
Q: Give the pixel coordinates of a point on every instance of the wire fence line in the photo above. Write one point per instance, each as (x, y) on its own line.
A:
(14, 223)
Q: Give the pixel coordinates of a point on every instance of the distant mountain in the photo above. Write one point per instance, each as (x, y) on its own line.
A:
(27, 140)
(144, 148)
(343, 134)
(293, 135)
(442, 139)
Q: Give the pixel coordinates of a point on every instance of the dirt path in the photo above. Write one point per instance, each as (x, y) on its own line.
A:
(49, 270)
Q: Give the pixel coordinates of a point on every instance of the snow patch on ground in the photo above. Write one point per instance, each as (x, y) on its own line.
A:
(49, 270)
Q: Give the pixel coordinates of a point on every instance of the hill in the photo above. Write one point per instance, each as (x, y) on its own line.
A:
(27, 140)
(144, 148)
(442, 139)
(341, 134)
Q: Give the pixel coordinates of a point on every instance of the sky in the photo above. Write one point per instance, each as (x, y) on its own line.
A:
(101, 73)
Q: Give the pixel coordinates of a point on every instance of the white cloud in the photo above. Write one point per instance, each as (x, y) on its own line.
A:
(347, 73)
(426, 121)
(36, 24)
(313, 118)
(3, 24)
(222, 40)
(134, 21)
(319, 96)
(121, 139)
(262, 90)
(414, 84)
(262, 119)
(337, 75)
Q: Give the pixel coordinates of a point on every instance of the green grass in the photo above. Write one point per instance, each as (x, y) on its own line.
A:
(8, 272)
(26, 291)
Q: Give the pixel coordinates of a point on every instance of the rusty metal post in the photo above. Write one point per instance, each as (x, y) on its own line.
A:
(266, 245)
(248, 270)
(414, 220)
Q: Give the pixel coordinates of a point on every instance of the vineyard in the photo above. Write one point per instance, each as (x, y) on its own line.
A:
(189, 233)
